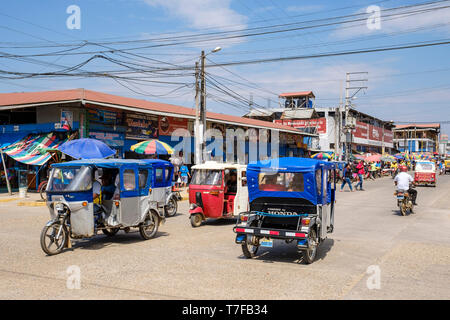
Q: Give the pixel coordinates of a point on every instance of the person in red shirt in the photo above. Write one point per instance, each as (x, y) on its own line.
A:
(361, 172)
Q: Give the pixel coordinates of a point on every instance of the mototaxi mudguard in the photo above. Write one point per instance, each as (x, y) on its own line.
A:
(197, 210)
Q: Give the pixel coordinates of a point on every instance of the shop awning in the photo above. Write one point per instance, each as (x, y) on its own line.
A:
(29, 149)
(9, 138)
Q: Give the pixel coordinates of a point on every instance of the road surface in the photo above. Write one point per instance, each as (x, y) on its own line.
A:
(411, 256)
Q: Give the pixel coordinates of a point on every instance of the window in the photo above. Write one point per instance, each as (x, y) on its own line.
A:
(129, 180)
(207, 177)
(143, 175)
(319, 181)
(159, 175)
(281, 181)
(70, 179)
(168, 172)
(244, 178)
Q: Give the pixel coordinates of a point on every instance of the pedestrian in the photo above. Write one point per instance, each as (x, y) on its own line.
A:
(360, 168)
(184, 174)
(347, 177)
(373, 170)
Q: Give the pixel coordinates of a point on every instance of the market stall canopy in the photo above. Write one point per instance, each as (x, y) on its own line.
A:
(29, 149)
(86, 148)
(373, 158)
(152, 147)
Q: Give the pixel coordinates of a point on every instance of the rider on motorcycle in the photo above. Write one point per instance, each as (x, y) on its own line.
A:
(403, 180)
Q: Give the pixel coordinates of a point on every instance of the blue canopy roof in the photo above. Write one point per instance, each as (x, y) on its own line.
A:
(290, 164)
(305, 166)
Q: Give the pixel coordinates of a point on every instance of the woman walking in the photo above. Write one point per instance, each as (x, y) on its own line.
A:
(347, 177)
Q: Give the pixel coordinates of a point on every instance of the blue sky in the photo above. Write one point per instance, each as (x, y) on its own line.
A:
(407, 85)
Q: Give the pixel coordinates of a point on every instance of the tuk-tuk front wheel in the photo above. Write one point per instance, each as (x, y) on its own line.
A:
(149, 227)
(53, 238)
(171, 208)
(196, 220)
(309, 255)
(110, 231)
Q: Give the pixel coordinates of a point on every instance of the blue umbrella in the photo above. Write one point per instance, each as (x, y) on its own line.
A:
(86, 148)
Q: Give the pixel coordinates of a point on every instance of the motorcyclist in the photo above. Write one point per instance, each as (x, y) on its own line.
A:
(403, 180)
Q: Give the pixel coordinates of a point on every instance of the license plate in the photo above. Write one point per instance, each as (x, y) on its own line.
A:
(400, 197)
(267, 243)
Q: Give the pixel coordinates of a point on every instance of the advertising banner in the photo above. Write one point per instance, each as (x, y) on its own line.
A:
(319, 123)
(104, 116)
(112, 139)
(141, 126)
(167, 125)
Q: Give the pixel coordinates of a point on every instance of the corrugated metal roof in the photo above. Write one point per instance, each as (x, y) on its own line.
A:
(43, 97)
(417, 125)
(297, 94)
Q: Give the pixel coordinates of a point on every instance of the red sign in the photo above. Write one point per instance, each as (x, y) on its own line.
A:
(388, 136)
(362, 130)
(375, 133)
(319, 123)
(167, 125)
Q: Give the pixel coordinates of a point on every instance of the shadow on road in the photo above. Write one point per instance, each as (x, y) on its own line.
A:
(122, 238)
(288, 252)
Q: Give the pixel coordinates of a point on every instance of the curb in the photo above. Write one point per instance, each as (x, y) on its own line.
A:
(31, 204)
(8, 200)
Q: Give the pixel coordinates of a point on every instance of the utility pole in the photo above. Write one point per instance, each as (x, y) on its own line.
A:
(349, 125)
(197, 134)
(200, 108)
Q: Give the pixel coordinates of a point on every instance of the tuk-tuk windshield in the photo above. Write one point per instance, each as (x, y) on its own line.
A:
(207, 177)
(70, 179)
(281, 181)
(423, 166)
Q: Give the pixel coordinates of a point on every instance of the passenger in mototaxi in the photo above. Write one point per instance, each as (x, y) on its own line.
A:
(230, 192)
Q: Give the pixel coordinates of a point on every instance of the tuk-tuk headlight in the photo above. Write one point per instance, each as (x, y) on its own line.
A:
(59, 208)
(192, 206)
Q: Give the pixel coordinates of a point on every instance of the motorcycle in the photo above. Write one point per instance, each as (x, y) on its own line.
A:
(404, 202)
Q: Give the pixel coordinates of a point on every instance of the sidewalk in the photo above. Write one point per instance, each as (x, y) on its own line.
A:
(31, 200)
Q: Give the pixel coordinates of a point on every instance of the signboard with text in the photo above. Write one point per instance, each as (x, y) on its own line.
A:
(141, 126)
(319, 123)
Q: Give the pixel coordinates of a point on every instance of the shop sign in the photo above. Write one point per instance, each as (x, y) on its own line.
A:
(167, 125)
(112, 139)
(319, 123)
(141, 126)
(104, 116)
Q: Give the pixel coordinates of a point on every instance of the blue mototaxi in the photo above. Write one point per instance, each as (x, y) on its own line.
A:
(133, 193)
(291, 199)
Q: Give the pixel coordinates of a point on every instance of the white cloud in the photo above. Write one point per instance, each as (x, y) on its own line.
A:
(202, 13)
(306, 8)
(389, 23)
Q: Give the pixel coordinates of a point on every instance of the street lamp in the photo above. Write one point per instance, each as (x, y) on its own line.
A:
(200, 108)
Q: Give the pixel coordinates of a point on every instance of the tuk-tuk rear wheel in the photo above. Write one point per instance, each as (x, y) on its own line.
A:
(149, 227)
(48, 240)
(110, 231)
(171, 208)
(309, 255)
(248, 248)
(196, 220)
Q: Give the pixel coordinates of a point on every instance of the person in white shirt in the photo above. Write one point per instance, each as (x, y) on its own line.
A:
(403, 181)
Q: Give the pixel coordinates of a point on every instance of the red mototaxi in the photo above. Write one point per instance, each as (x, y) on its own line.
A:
(213, 194)
(425, 173)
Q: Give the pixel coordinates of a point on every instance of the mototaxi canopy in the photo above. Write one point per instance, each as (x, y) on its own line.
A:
(307, 167)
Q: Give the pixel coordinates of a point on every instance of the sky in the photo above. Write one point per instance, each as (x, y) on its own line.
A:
(411, 85)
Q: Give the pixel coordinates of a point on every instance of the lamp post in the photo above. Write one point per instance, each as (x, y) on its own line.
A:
(200, 108)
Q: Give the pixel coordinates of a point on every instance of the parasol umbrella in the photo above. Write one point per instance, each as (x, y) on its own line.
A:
(86, 148)
(322, 155)
(373, 158)
(152, 147)
(387, 158)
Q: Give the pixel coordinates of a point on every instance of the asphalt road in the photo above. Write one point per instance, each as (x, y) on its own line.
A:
(410, 254)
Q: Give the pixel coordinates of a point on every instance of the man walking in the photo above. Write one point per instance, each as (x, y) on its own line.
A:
(361, 172)
(347, 177)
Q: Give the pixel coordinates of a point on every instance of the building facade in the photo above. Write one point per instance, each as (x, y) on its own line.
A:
(417, 137)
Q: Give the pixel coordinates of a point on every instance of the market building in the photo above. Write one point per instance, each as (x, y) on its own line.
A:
(417, 137)
(365, 133)
(47, 119)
